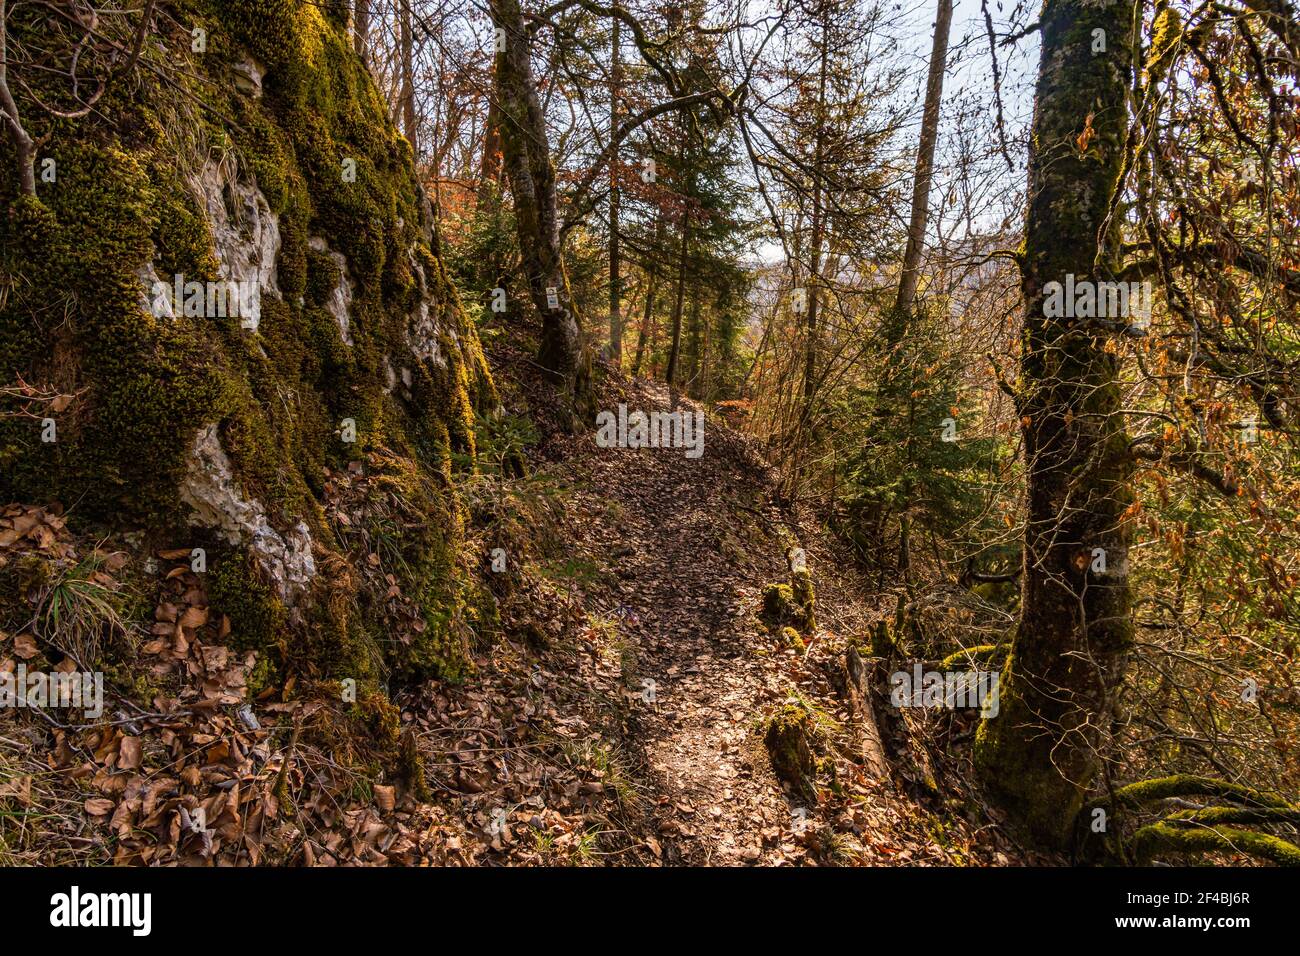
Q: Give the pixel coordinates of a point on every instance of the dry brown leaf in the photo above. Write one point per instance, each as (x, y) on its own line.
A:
(194, 617)
(128, 754)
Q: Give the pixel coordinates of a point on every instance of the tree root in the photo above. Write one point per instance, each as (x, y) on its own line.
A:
(1214, 829)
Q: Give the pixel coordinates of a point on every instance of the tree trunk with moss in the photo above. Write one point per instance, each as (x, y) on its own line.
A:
(527, 158)
(1042, 752)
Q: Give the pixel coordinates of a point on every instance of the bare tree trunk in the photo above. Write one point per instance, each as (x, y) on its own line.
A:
(648, 316)
(695, 337)
(674, 350)
(615, 262)
(1043, 751)
(490, 164)
(407, 43)
(925, 161)
(647, 324)
(818, 226)
(527, 159)
(24, 145)
(361, 28)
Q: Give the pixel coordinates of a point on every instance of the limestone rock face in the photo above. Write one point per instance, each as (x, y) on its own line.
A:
(213, 494)
(339, 303)
(245, 232)
(248, 77)
(342, 388)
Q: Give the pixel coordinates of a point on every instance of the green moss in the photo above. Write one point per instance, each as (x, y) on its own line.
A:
(983, 654)
(1160, 838)
(237, 588)
(778, 603)
(789, 738)
(790, 604)
(1167, 34)
(78, 320)
(132, 682)
(1192, 785)
(182, 241)
(146, 383)
(381, 719)
(263, 676)
(412, 764)
(322, 277)
(292, 263)
(882, 640)
(805, 600)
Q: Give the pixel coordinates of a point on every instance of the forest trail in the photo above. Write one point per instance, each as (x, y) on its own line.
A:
(691, 542)
(686, 588)
(621, 715)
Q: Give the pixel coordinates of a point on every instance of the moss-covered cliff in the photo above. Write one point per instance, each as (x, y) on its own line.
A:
(249, 146)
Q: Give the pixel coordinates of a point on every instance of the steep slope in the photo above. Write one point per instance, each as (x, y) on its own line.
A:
(226, 292)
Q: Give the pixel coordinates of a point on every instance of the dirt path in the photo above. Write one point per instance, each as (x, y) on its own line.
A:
(692, 541)
(620, 718)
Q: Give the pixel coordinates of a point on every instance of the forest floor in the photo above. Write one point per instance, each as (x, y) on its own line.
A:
(668, 694)
(619, 717)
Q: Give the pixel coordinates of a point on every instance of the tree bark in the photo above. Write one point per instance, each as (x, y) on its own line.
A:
(615, 262)
(24, 145)
(490, 163)
(694, 338)
(648, 316)
(924, 177)
(361, 28)
(527, 160)
(1043, 751)
(674, 349)
(818, 226)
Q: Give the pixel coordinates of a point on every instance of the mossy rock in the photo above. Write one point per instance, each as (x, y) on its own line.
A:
(778, 604)
(801, 586)
(789, 738)
(790, 604)
(145, 385)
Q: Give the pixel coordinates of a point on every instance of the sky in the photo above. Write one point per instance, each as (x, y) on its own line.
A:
(968, 89)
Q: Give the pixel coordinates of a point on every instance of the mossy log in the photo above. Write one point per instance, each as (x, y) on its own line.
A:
(1166, 837)
(1188, 785)
(986, 654)
(1197, 829)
